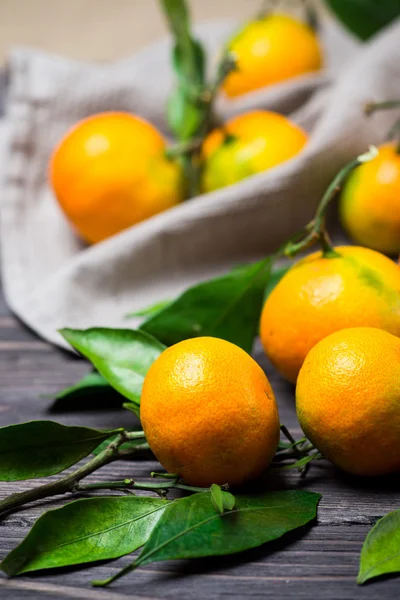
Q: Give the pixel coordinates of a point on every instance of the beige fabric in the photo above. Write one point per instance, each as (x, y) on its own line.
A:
(51, 280)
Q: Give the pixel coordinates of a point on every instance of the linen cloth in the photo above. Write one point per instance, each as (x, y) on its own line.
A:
(52, 280)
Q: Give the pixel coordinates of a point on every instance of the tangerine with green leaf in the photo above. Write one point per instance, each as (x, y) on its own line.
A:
(209, 413)
(248, 144)
(370, 202)
(354, 287)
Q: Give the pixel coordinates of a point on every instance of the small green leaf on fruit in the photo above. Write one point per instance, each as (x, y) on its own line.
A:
(228, 500)
(216, 498)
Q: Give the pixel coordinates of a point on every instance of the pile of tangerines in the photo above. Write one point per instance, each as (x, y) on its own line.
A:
(331, 325)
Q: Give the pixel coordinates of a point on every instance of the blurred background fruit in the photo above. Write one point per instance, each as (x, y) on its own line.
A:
(110, 172)
(248, 144)
(318, 296)
(209, 413)
(271, 49)
(347, 400)
(370, 202)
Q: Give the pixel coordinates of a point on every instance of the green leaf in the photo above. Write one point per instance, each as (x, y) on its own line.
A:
(89, 383)
(149, 311)
(380, 553)
(228, 307)
(132, 407)
(365, 17)
(188, 57)
(220, 499)
(192, 72)
(85, 531)
(216, 498)
(228, 500)
(122, 356)
(191, 528)
(42, 448)
(92, 392)
(184, 116)
(185, 113)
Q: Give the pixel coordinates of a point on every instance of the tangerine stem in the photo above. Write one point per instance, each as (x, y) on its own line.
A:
(372, 107)
(316, 227)
(131, 484)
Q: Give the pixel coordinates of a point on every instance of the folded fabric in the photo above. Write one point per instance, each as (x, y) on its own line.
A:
(52, 280)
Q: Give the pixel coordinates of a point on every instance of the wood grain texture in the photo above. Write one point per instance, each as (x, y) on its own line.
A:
(322, 563)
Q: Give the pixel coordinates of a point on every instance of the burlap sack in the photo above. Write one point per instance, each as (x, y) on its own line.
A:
(52, 280)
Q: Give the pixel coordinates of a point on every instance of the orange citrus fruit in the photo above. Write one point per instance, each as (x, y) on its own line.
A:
(110, 172)
(271, 49)
(209, 413)
(347, 400)
(248, 144)
(370, 202)
(317, 296)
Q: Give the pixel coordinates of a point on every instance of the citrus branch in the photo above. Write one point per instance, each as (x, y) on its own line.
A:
(315, 230)
(372, 107)
(130, 484)
(69, 482)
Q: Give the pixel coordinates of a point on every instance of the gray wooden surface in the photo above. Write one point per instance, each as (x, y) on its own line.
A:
(321, 563)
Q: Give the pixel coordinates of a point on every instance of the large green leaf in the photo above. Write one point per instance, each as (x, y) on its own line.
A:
(122, 356)
(191, 527)
(381, 550)
(85, 531)
(228, 307)
(42, 448)
(365, 17)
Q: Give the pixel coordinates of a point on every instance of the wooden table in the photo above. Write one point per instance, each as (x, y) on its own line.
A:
(320, 564)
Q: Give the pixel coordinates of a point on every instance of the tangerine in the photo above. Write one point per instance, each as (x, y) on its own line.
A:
(347, 400)
(209, 413)
(269, 50)
(110, 172)
(248, 144)
(320, 295)
(370, 202)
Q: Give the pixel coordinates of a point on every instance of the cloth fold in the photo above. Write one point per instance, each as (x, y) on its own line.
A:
(52, 280)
